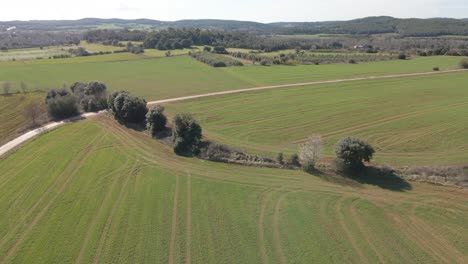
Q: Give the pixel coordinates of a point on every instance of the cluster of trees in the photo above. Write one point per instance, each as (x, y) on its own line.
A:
(351, 153)
(379, 25)
(90, 96)
(82, 96)
(107, 35)
(29, 39)
(186, 131)
(215, 60)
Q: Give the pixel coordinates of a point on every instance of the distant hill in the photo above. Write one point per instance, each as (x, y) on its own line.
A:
(369, 25)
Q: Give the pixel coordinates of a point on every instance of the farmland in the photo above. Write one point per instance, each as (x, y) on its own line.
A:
(94, 191)
(12, 117)
(157, 78)
(420, 120)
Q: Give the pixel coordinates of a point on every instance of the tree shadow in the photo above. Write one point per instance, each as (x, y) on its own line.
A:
(382, 177)
(334, 178)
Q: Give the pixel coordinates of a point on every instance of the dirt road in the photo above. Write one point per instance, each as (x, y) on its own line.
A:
(19, 140)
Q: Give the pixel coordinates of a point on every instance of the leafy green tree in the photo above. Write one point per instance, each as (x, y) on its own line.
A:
(186, 134)
(155, 120)
(61, 107)
(353, 152)
(464, 64)
(129, 109)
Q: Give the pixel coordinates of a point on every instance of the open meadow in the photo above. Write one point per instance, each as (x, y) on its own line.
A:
(412, 120)
(160, 78)
(96, 192)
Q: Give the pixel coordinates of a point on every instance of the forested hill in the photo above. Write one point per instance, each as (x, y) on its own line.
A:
(369, 25)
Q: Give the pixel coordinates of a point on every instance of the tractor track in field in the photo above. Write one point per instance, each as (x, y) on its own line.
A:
(82, 154)
(265, 198)
(174, 224)
(188, 227)
(88, 151)
(7, 147)
(276, 230)
(365, 232)
(110, 217)
(347, 231)
(99, 213)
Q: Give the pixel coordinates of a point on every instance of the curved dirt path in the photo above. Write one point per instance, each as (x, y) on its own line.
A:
(21, 139)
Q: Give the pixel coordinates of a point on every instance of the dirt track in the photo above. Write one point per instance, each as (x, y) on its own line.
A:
(19, 140)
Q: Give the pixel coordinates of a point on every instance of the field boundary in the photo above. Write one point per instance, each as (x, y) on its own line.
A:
(31, 134)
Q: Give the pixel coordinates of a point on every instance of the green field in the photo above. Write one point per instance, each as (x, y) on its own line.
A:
(33, 53)
(94, 191)
(12, 119)
(292, 74)
(150, 78)
(411, 120)
(156, 78)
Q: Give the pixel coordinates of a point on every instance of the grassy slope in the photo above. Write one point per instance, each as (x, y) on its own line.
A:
(417, 120)
(93, 191)
(12, 119)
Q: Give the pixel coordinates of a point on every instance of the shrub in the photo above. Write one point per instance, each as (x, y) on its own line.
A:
(206, 48)
(55, 93)
(308, 166)
(62, 107)
(435, 69)
(352, 61)
(402, 56)
(155, 120)
(186, 134)
(353, 152)
(220, 50)
(464, 64)
(264, 62)
(294, 160)
(280, 158)
(217, 152)
(311, 151)
(219, 64)
(6, 87)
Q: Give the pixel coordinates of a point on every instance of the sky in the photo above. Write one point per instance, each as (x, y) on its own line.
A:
(251, 10)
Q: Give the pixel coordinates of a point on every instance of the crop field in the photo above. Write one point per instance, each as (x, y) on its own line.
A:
(281, 74)
(12, 117)
(412, 120)
(94, 191)
(157, 78)
(150, 78)
(32, 53)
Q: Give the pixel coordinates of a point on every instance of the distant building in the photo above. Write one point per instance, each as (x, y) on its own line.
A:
(10, 28)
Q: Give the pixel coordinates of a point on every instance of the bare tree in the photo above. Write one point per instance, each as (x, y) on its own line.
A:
(6, 87)
(32, 112)
(311, 151)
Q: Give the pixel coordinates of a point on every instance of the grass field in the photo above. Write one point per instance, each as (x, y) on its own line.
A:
(301, 73)
(150, 78)
(12, 117)
(410, 121)
(95, 192)
(32, 53)
(181, 75)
